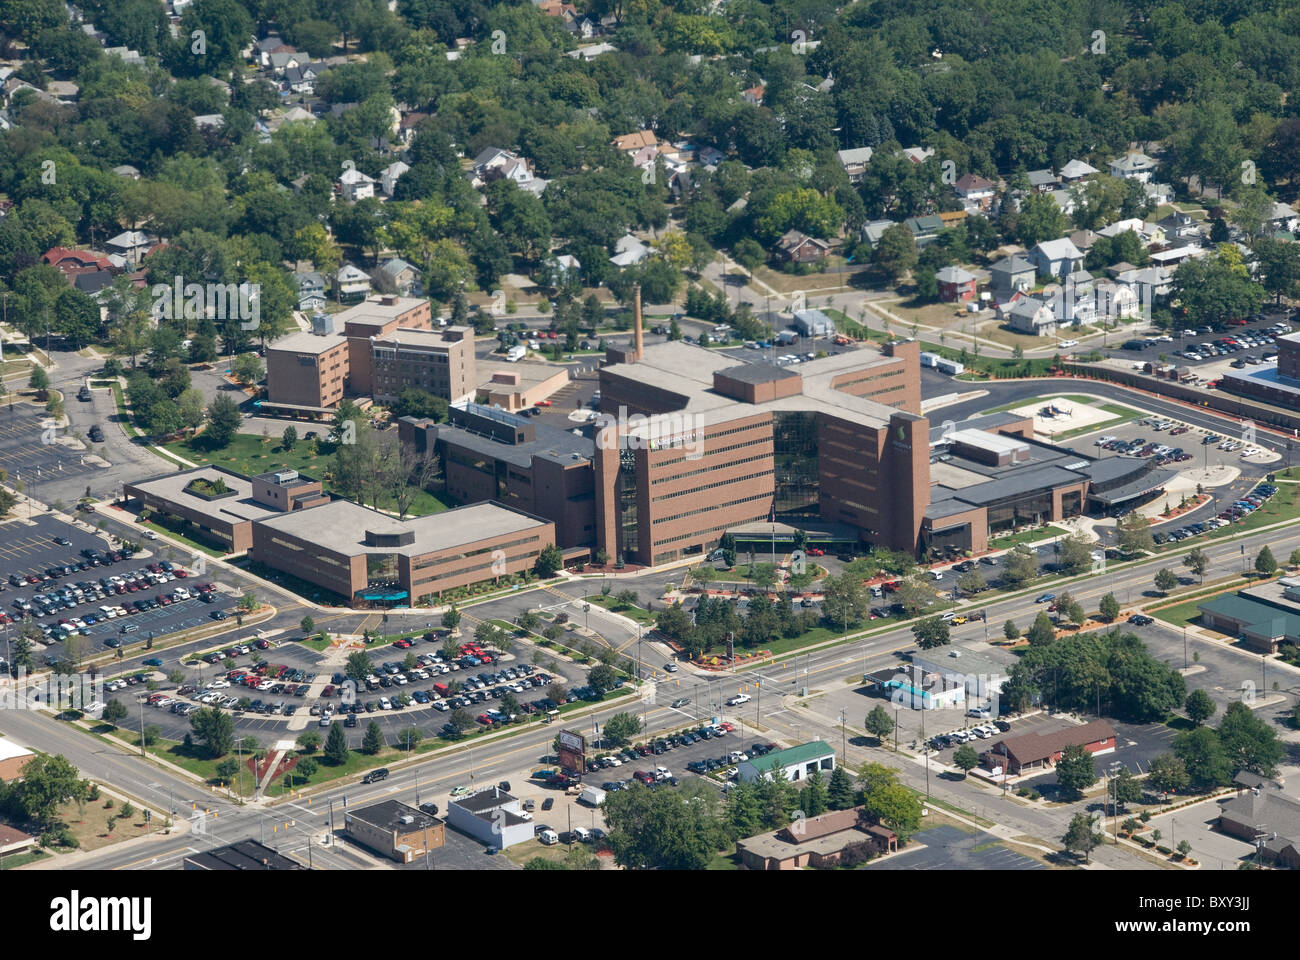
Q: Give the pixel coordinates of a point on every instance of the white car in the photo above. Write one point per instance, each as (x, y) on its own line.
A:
(1102, 441)
(1251, 452)
(1069, 343)
(150, 535)
(525, 815)
(218, 684)
(385, 703)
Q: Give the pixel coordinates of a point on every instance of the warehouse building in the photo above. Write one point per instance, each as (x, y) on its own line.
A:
(796, 763)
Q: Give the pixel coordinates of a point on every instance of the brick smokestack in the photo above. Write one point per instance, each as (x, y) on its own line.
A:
(637, 310)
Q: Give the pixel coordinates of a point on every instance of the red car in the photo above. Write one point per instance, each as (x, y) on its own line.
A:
(402, 644)
(815, 552)
(328, 691)
(543, 403)
(179, 572)
(644, 776)
(262, 644)
(726, 725)
(484, 719)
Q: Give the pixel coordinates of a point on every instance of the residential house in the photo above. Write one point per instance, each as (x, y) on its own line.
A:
(1158, 193)
(1115, 301)
(800, 248)
(592, 51)
(410, 126)
(389, 175)
(354, 185)
(956, 284)
(351, 284)
(301, 78)
(558, 8)
(1029, 315)
(855, 162)
(210, 121)
(918, 154)
(754, 96)
(872, 232)
(131, 245)
(583, 27)
(1076, 171)
(311, 290)
(72, 263)
(976, 191)
(1011, 275)
(1175, 228)
(1134, 165)
(563, 267)
(1056, 258)
(1177, 253)
(1065, 200)
(395, 275)
(1042, 181)
(628, 251)
(1283, 217)
(709, 157)
(127, 171)
(264, 48)
(1084, 239)
(1151, 284)
(281, 62)
(1123, 226)
(925, 230)
(634, 143)
(128, 56)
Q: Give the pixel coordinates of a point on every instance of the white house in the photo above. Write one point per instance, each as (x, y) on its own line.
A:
(1283, 217)
(1136, 224)
(975, 189)
(564, 266)
(131, 245)
(628, 251)
(1056, 258)
(352, 283)
(855, 162)
(1030, 315)
(1077, 170)
(355, 185)
(388, 177)
(1133, 166)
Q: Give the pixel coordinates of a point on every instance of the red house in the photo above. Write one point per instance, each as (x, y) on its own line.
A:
(1031, 751)
(70, 263)
(955, 284)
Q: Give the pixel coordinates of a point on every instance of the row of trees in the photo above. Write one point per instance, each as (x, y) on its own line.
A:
(684, 828)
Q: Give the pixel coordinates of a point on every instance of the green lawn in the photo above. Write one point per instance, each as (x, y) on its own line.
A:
(1027, 536)
(250, 454)
(175, 534)
(638, 614)
(21, 859)
(127, 423)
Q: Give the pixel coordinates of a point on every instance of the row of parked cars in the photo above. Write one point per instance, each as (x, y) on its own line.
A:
(984, 731)
(84, 593)
(1234, 511)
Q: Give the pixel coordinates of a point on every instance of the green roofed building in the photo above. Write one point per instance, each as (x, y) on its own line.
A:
(1262, 616)
(798, 763)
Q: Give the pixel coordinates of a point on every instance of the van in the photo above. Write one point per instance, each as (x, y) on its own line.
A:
(374, 776)
(876, 591)
(549, 837)
(936, 574)
(582, 834)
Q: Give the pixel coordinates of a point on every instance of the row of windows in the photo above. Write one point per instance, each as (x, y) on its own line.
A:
(714, 506)
(710, 486)
(722, 433)
(459, 571)
(714, 467)
(433, 561)
(871, 376)
(698, 534)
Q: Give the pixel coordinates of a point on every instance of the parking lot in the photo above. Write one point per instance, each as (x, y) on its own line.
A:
(31, 454)
(947, 848)
(1206, 363)
(32, 548)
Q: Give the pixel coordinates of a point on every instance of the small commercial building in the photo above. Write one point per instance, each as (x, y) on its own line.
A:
(518, 385)
(816, 841)
(242, 855)
(1262, 617)
(1034, 752)
(395, 830)
(980, 675)
(921, 689)
(1268, 818)
(492, 817)
(796, 763)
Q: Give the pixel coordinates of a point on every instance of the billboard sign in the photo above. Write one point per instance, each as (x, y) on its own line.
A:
(573, 753)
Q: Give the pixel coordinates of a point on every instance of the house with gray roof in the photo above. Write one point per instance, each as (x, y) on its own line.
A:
(1031, 316)
(1011, 275)
(1134, 165)
(395, 275)
(1077, 170)
(855, 162)
(1056, 258)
